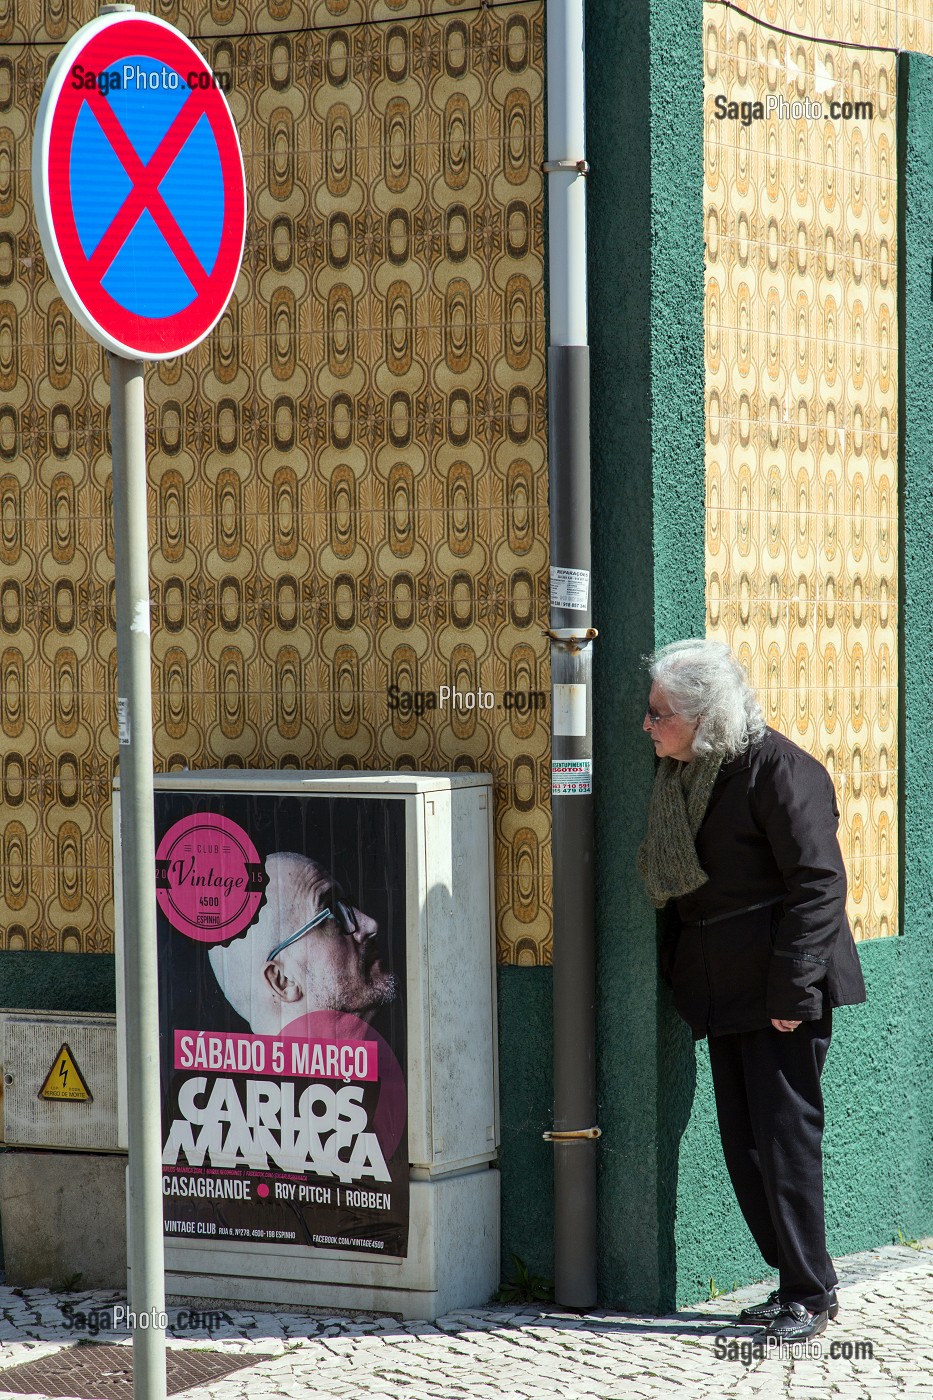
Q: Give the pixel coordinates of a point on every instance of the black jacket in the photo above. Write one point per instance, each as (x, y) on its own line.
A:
(769, 839)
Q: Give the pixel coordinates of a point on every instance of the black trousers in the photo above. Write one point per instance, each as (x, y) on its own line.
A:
(770, 1109)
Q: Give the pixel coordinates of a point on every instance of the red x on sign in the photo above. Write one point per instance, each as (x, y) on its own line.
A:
(145, 192)
(139, 186)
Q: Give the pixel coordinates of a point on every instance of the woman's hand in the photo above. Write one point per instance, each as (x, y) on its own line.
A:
(784, 1025)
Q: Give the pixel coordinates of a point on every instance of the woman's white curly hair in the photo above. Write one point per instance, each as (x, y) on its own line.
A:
(704, 680)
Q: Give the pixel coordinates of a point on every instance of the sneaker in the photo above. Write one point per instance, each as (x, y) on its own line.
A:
(760, 1314)
(794, 1323)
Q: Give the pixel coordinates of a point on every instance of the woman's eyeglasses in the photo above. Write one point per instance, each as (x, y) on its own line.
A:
(342, 915)
(653, 717)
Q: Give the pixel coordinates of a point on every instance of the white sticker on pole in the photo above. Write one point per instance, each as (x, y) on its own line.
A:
(570, 588)
(569, 710)
(123, 720)
(571, 777)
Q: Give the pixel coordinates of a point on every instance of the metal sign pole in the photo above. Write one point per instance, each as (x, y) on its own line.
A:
(137, 837)
(576, 1232)
(130, 299)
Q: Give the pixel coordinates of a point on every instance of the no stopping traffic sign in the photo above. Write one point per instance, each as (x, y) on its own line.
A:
(138, 187)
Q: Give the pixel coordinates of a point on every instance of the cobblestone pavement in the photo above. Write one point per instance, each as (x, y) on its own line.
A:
(886, 1299)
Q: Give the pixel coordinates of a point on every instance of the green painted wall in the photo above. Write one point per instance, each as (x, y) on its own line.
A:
(526, 1095)
(57, 981)
(644, 143)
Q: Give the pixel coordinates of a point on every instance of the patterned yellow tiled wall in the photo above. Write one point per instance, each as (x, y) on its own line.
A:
(801, 406)
(883, 24)
(348, 479)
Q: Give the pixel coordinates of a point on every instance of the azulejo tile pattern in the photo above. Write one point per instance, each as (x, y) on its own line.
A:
(801, 399)
(347, 480)
(883, 24)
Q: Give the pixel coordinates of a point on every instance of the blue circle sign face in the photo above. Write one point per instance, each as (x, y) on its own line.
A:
(139, 189)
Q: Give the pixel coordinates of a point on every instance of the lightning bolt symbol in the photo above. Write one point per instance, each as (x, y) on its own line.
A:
(63, 1074)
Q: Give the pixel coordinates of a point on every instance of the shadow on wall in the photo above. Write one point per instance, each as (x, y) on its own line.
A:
(526, 1093)
(677, 1079)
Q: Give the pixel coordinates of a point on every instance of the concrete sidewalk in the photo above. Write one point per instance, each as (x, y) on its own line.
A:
(881, 1345)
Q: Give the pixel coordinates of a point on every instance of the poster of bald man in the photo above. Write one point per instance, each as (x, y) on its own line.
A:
(281, 928)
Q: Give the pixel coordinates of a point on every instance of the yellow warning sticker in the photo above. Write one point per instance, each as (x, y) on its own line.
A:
(65, 1081)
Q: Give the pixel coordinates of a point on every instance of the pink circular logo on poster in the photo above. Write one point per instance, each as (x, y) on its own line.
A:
(209, 878)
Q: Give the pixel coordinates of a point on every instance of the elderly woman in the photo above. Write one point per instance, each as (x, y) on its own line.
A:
(741, 853)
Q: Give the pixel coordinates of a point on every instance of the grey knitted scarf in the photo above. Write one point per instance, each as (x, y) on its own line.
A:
(667, 858)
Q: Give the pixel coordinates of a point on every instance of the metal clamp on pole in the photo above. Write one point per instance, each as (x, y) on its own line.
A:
(578, 1135)
(553, 167)
(570, 639)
